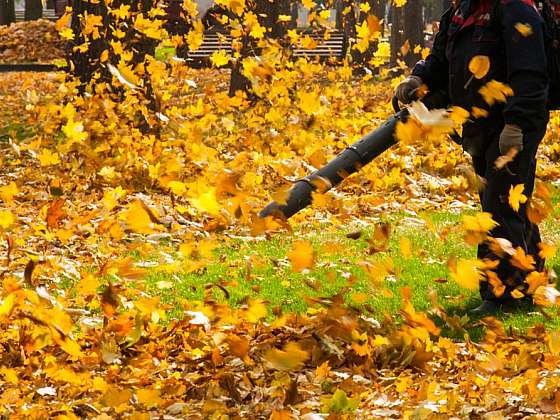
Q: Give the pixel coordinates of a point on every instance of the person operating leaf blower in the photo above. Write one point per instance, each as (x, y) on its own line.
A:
(510, 35)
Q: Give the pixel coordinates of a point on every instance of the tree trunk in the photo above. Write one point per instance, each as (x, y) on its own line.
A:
(7, 12)
(413, 30)
(33, 9)
(407, 31)
(267, 12)
(348, 25)
(397, 33)
(376, 9)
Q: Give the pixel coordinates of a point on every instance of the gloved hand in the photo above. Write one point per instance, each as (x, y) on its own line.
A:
(511, 137)
(404, 90)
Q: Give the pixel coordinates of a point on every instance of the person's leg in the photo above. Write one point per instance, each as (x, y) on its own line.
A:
(513, 226)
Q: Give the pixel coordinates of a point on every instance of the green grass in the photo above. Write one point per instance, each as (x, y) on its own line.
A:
(260, 268)
(165, 53)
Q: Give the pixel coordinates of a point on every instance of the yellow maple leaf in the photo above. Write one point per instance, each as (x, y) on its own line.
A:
(309, 102)
(291, 358)
(468, 273)
(91, 24)
(206, 202)
(495, 91)
(479, 66)
(323, 371)
(547, 250)
(195, 37)
(149, 397)
(111, 197)
(522, 260)
(406, 247)
(47, 158)
(301, 256)
(7, 192)
(535, 279)
(219, 58)
(524, 29)
(477, 112)
(137, 219)
(74, 131)
(177, 187)
(480, 222)
(256, 310)
(516, 196)
(257, 31)
(7, 219)
(308, 4)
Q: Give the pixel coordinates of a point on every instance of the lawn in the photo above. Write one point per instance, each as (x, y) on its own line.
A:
(368, 272)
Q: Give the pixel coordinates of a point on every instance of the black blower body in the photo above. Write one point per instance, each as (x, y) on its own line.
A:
(350, 160)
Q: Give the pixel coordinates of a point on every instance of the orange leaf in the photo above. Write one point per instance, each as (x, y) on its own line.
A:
(301, 256)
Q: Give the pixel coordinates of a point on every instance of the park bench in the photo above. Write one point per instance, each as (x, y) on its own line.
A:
(48, 14)
(333, 47)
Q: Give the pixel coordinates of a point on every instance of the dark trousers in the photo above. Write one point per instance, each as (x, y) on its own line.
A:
(513, 226)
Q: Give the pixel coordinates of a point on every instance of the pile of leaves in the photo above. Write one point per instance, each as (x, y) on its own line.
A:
(156, 160)
(36, 41)
(127, 358)
(82, 191)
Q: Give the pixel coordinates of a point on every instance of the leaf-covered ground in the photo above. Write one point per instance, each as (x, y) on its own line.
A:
(136, 278)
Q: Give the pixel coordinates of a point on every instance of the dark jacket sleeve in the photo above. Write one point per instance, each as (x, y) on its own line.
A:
(434, 70)
(526, 65)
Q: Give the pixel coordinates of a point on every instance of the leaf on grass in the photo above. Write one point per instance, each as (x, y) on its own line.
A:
(55, 213)
(256, 311)
(418, 319)
(340, 403)
(406, 247)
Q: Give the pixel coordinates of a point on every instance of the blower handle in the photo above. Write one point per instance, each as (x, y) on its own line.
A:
(395, 103)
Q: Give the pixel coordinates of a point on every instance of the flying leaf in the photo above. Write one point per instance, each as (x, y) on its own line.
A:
(524, 29)
(479, 66)
(495, 91)
(522, 260)
(301, 256)
(468, 274)
(292, 357)
(516, 196)
(547, 250)
(219, 58)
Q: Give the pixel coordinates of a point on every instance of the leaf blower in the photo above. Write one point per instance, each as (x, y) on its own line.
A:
(350, 160)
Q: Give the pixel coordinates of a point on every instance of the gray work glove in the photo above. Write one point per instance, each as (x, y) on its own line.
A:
(405, 90)
(511, 137)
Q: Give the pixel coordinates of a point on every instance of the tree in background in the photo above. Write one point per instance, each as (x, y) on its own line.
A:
(7, 12)
(112, 50)
(33, 9)
(407, 32)
(259, 21)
